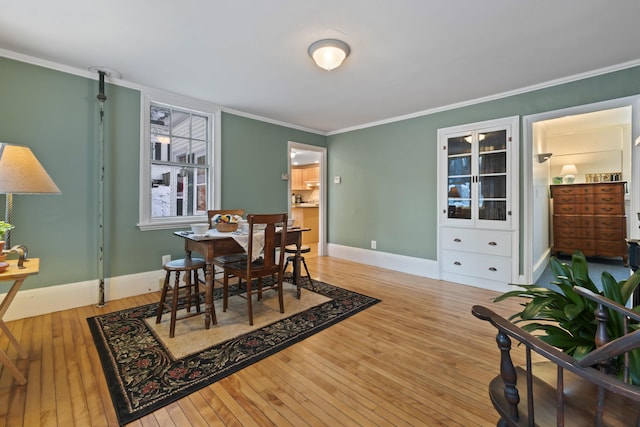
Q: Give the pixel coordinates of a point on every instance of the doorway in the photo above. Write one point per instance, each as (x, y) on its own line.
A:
(619, 125)
(307, 192)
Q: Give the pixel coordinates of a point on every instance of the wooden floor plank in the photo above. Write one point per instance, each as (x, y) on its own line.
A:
(417, 358)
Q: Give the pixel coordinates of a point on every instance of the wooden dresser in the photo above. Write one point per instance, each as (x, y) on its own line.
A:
(590, 217)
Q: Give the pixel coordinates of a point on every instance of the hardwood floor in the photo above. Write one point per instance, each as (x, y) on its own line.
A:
(417, 358)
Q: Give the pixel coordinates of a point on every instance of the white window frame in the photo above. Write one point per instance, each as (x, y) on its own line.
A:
(146, 222)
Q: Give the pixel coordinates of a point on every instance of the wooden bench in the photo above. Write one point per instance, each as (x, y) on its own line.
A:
(559, 389)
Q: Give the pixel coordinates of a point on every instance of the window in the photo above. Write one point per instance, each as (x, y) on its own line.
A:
(178, 171)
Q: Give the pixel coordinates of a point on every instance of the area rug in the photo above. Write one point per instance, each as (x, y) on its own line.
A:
(146, 370)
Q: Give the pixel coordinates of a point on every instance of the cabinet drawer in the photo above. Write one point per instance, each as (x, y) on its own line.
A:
(617, 188)
(489, 242)
(609, 222)
(609, 199)
(559, 190)
(610, 234)
(477, 265)
(567, 221)
(604, 209)
(606, 248)
(569, 244)
(565, 208)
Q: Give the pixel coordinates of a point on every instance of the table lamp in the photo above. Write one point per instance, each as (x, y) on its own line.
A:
(21, 173)
(569, 173)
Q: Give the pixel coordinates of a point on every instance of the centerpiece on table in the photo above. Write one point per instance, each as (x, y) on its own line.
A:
(226, 223)
(567, 319)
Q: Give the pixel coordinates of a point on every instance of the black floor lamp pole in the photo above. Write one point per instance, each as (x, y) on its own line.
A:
(101, 100)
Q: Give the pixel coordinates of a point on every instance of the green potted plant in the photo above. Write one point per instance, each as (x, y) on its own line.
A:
(566, 319)
(4, 227)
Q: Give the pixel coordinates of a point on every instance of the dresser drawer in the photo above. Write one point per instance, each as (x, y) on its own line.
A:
(610, 234)
(604, 209)
(569, 244)
(571, 189)
(565, 208)
(618, 223)
(491, 242)
(613, 188)
(477, 265)
(570, 221)
(575, 198)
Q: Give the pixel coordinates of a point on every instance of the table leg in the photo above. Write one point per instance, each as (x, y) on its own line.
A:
(209, 310)
(297, 276)
(8, 299)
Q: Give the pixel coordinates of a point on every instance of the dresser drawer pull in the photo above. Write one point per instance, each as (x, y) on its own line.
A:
(607, 199)
(493, 269)
(457, 240)
(457, 263)
(493, 244)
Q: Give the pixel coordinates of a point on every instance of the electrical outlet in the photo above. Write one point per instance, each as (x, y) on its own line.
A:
(373, 244)
(166, 259)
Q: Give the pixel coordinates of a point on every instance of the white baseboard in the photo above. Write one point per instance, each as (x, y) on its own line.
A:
(35, 302)
(406, 264)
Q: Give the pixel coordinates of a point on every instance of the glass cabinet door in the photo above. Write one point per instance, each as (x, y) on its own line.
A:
(459, 158)
(477, 176)
(492, 175)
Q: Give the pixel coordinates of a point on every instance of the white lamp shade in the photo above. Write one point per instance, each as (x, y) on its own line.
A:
(569, 170)
(329, 53)
(22, 173)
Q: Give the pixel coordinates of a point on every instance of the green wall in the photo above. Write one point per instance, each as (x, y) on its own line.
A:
(56, 115)
(387, 194)
(389, 172)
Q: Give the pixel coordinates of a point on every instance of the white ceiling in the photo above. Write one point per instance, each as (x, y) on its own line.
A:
(407, 56)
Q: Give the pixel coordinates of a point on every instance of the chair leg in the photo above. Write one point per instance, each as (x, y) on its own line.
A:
(308, 274)
(225, 291)
(187, 282)
(196, 287)
(163, 296)
(249, 307)
(280, 292)
(174, 307)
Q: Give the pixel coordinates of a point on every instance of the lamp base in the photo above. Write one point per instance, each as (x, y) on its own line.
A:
(568, 179)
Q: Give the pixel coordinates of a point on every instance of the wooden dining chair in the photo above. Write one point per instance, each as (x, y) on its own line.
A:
(270, 264)
(222, 260)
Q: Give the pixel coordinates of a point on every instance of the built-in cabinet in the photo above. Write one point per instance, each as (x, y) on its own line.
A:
(305, 177)
(477, 199)
(590, 218)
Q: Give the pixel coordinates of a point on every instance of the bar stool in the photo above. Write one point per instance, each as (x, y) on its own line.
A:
(304, 249)
(190, 289)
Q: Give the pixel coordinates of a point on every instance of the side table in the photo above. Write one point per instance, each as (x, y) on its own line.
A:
(18, 275)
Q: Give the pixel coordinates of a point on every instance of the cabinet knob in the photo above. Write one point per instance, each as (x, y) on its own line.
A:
(457, 263)
(493, 269)
(457, 240)
(493, 244)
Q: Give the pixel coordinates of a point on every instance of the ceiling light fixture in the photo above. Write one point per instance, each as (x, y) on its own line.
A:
(329, 53)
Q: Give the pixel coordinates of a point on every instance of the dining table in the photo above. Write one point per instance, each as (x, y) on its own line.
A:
(215, 243)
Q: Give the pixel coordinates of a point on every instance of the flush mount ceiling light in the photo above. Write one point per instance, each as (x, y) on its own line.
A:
(329, 53)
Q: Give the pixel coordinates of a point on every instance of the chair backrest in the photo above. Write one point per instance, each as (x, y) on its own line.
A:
(270, 264)
(213, 212)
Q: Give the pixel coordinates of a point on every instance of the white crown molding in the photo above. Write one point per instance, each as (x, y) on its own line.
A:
(519, 91)
(121, 82)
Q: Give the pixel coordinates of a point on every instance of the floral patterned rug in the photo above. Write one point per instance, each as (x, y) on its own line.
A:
(143, 376)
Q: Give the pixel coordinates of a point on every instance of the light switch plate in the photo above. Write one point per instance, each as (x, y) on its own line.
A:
(336, 180)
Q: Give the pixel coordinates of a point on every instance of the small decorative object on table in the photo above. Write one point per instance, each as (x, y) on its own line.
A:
(227, 227)
(226, 223)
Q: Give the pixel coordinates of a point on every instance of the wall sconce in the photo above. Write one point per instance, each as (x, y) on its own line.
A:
(568, 172)
(329, 53)
(543, 157)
